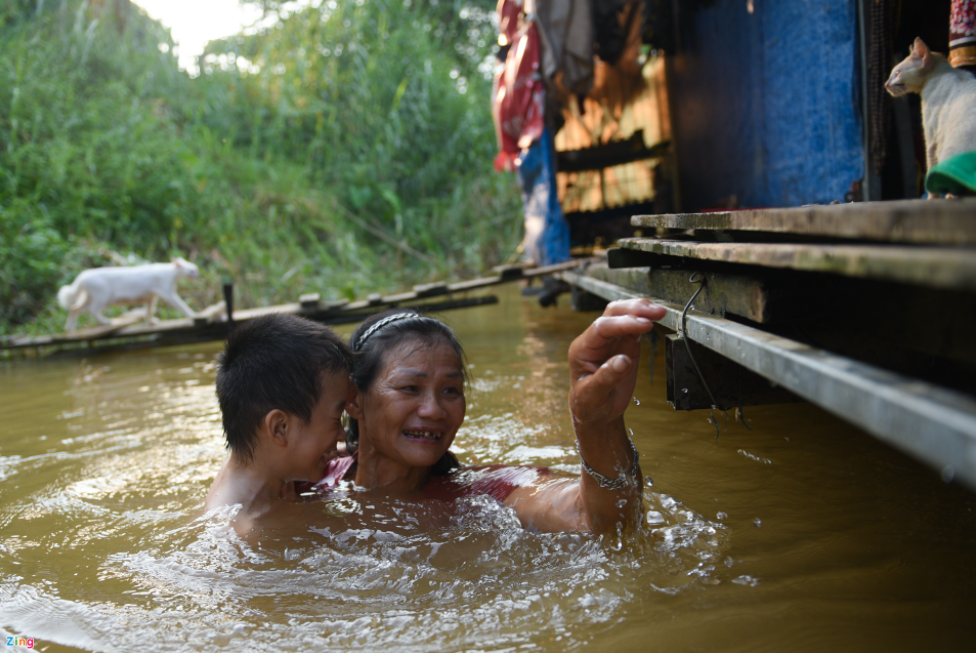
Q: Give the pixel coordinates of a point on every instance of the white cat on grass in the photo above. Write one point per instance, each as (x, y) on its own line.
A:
(948, 101)
(93, 290)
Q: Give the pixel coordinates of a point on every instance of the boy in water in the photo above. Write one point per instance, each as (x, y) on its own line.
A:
(282, 384)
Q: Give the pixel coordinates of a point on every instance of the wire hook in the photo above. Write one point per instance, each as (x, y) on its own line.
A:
(701, 280)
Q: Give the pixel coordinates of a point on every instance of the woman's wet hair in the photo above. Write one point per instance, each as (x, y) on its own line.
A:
(383, 333)
(274, 361)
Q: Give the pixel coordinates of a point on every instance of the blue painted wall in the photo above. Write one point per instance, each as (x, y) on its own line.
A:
(766, 103)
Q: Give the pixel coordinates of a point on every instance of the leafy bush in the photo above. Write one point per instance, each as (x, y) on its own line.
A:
(307, 156)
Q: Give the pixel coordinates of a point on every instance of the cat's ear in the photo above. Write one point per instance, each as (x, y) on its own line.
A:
(178, 262)
(919, 49)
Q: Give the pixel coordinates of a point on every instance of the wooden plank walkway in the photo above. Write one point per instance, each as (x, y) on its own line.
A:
(211, 323)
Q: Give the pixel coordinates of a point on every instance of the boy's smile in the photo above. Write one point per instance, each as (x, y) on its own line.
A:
(314, 444)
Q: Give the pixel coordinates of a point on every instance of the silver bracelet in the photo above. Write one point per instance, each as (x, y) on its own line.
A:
(623, 480)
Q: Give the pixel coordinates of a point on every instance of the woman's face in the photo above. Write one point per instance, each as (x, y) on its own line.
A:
(416, 404)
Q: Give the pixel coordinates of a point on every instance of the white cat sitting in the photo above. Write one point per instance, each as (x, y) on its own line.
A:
(95, 289)
(948, 101)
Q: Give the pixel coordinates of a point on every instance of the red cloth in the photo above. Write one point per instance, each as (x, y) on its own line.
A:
(509, 20)
(962, 33)
(336, 470)
(519, 101)
(496, 481)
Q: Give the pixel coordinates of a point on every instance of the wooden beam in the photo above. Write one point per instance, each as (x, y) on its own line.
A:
(940, 323)
(212, 313)
(431, 289)
(727, 293)
(948, 267)
(623, 257)
(950, 222)
(509, 272)
(310, 300)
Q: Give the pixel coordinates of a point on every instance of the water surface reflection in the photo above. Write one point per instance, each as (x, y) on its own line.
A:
(801, 534)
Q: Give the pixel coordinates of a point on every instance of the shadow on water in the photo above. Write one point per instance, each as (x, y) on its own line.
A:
(801, 534)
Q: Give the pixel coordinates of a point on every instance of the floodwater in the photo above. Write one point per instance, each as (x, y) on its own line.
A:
(801, 534)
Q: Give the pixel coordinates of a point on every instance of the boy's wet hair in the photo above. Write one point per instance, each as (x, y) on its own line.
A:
(273, 361)
(384, 332)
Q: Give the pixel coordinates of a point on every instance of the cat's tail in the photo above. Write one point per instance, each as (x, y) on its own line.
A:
(72, 297)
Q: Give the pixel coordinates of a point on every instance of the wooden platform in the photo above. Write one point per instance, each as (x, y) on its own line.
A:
(939, 267)
(867, 310)
(948, 222)
(130, 330)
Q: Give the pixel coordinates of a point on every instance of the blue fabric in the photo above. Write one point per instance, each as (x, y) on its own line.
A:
(540, 202)
(766, 102)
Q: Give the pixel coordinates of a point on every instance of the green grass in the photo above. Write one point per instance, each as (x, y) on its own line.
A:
(350, 154)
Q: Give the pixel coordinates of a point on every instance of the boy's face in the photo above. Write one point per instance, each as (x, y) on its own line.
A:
(315, 443)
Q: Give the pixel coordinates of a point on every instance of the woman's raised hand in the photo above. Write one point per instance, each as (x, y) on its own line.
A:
(603, 364)
(603, 361)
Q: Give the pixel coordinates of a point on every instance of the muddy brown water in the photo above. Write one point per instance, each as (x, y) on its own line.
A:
(803, 534)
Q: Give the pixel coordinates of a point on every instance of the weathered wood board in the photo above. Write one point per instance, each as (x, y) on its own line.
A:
(950, 222)
(940, 267)
(727, 293)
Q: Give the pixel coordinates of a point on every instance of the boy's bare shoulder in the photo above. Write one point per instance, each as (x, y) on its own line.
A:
(285, 523)
(224, 491)
(251, 513)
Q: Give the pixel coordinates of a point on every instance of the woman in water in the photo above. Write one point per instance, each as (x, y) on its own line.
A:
(408, 404)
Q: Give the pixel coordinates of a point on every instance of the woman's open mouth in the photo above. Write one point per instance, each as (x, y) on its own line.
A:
(423, 435)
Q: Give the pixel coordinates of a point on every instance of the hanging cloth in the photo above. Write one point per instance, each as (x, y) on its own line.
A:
(566, 30)
(546, 232)
(519, 99)
(962, 34)
(509, 21)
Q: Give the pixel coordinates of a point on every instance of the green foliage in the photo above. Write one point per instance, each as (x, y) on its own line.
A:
(359, 93)
(340, 150)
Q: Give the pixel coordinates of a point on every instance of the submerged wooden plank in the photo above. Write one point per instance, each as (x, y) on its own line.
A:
(941, 267)
(908, 221)
(935, 425)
